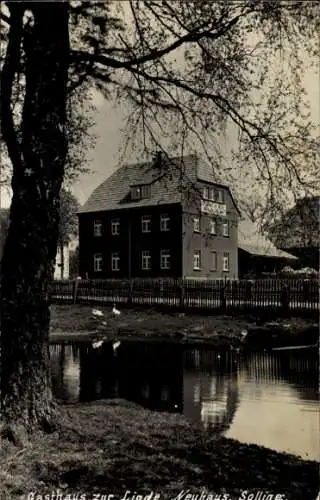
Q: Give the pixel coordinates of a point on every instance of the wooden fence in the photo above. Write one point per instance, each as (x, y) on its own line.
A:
(286, 296)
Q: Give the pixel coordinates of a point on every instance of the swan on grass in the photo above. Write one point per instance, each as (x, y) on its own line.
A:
(97, 313)
(115, 311)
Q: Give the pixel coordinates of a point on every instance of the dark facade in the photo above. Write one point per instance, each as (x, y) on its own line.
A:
(131, 242)
(142, 223)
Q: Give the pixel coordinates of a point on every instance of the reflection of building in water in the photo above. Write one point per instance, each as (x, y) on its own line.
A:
(148, 374)
(65, 371)
(210, 388)
(151, 375)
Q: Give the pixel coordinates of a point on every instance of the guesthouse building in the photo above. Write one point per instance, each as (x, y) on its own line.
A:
(169, 217)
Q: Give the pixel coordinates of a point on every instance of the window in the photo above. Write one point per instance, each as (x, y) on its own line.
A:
(213, 226)
(115, 261)
(197, 260)
(115, 227)
(220, 196)
(211, 194)
(145, 191)
(97, 228)
(165, 258)
(145, 260)
(214, 261)
(164, 222)
(146, 223)
(97, 262)
(205, 193)
(226, 262)
(225, 228)
(138, 192)
(196, 224)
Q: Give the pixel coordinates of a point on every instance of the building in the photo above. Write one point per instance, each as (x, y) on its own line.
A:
(257, 254)
(164, 218)
(298, 231)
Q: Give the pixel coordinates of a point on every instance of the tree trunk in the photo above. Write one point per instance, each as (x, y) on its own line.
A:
(62, 259)
(38, 160)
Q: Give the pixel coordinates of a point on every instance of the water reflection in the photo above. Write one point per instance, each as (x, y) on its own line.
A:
(262, 398)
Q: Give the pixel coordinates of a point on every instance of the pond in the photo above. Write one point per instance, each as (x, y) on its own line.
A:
(269, 398)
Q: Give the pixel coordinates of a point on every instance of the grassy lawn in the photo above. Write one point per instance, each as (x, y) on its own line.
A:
(112, 446)
(76, 322)
(147, 322)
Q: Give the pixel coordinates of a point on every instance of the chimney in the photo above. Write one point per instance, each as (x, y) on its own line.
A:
(157, 158)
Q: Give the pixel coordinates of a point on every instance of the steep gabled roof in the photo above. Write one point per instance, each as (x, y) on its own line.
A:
(167, 181)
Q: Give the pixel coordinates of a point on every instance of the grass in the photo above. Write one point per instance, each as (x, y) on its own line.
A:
(75, 322)
(109, 447)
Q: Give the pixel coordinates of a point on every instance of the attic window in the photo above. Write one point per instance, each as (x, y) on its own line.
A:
(139, 192)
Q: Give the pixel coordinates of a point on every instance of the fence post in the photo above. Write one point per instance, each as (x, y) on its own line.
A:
(285, 299)
(223, 298)
(75, 289)
(306, 290)
(182, 294)
(130, 292)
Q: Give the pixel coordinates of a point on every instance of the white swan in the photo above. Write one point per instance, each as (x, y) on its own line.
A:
(97, 344)
(115, 344)
(115, 311)
(97, 313)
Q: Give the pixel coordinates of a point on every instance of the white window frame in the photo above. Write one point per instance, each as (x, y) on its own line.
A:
(197, 256)
(196, 224)
(97, 228)
(226, 228)
(115, 261)
(212, 194)
(145, 224)
(97, 262)
(165, 259)
(145, 260)
(213, 226)
(220, 196)
(214, 260)
(164, 222)
(115, 227)
(205, 193)
(226, 262)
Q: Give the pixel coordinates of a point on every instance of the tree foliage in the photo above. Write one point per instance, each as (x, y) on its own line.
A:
(80, 112)
(68, 224)
(196, 71)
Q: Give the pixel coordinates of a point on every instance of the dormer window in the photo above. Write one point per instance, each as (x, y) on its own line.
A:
(140, 192)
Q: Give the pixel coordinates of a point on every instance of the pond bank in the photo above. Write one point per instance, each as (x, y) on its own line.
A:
(109, 447)
(75, 323)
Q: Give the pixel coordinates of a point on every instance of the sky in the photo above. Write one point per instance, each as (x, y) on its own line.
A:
(109, 121)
